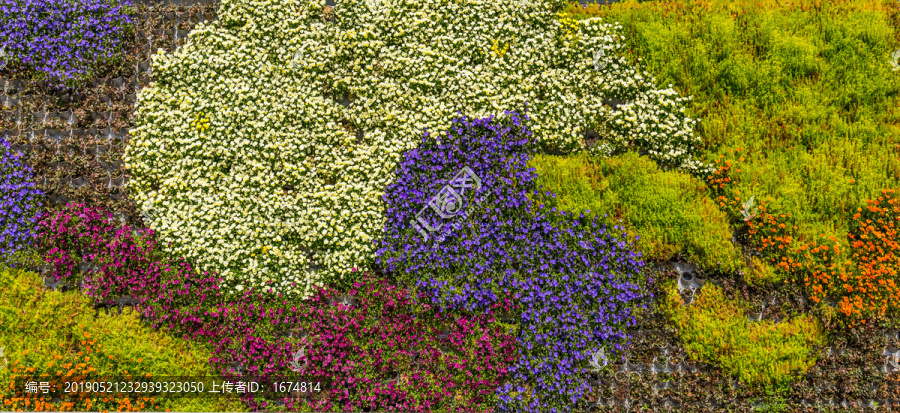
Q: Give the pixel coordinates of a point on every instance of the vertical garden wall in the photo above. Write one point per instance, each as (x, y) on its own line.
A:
(454, 206)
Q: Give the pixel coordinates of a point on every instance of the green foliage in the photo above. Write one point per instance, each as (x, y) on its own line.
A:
(759, 272)
(670, 211)
(775, 404)
(53, 333)
(715, 329)
(804, 86)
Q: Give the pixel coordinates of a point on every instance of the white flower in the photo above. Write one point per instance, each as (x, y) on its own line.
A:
(222, 189)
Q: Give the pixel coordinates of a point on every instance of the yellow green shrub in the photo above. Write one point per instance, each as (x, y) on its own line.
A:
(716, 330)
(759, 272)
(806, 87)
(670, 211)
(53, 334)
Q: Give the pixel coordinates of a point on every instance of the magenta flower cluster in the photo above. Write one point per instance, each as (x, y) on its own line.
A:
(81, 243)
(374, 347)
(72, 236)
(418, 359)
(131, 264)
(383, 352)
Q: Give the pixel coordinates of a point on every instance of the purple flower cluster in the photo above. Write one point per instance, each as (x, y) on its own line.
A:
(573, 278)
(63, 39)
(19, 202)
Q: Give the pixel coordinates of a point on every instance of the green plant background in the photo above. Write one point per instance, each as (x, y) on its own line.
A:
(805, 89)
(670, 211)
(45, 330)
(764, 354)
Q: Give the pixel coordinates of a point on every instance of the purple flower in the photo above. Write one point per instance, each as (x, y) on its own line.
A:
(19, 202)
(573, 278)
(63, 40)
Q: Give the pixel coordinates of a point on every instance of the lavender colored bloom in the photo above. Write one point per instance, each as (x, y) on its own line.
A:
(573, 278)
(64, 40)
(19, 202)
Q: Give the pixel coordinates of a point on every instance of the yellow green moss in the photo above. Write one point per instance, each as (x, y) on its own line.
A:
(759, 272)
(46, 333)
(670, 211)
(715, 329)
(762, 76)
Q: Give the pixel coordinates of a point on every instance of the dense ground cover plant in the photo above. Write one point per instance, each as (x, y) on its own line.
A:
(64, 41)
(670, 211)
(390, 352)
(857, 272)
(19, 203)
(128, 264)
(843, 371)
(575, 279)
(876, 251)
(77, 344)
(121, 261)
(385, 352)
(804, 87)
(760, 272)
(85, 246)
(72, 236)
(242, 154)
(764, 354)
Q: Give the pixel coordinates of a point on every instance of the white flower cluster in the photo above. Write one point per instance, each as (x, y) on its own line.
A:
(240, 151)
(655, 121)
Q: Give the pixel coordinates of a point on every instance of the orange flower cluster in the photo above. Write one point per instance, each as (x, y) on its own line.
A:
(876, 251)
(720, 179)
(71, 371)
(864, 283)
